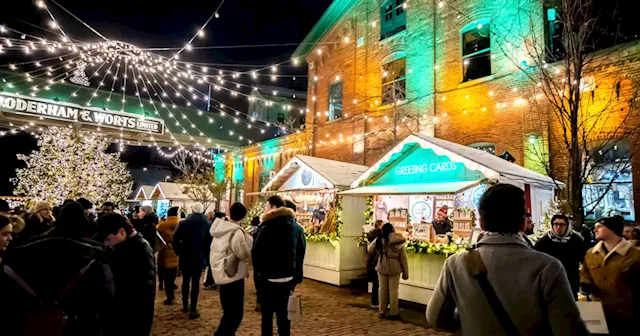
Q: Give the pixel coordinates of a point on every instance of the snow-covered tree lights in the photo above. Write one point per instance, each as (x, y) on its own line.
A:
(71, 164)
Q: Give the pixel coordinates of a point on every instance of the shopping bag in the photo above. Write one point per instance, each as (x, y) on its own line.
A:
(160, 243)
(593, 316)
(294, 307)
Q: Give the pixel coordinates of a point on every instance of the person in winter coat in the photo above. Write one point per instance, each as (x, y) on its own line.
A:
(48, 264)
(392, 261)
(371, 260)
(39, 221)
(531, 287)
(611, 274)
(566, 245)
(230, 246)
(188, 242)
(146, 224)
(167, 257)
(134, 273)
(442, 224)
(278, 253)
(91, 229)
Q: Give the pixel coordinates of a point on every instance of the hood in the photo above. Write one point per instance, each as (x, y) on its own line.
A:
(396, 239)
(222, 227)
(279, 212)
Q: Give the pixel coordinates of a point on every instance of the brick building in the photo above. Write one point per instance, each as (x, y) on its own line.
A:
(458, 70)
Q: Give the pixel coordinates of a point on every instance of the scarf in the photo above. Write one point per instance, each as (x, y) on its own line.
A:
(560, 239)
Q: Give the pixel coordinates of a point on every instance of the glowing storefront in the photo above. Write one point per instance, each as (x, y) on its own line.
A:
(423, 175)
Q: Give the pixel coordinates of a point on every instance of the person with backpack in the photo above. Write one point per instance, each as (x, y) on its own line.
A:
(392, 261)
(134, 273)
(504, 287)
(60, 283)
(230, 251)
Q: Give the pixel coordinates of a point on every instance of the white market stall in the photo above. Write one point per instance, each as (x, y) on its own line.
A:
(143, 195)
(168, 194)
(312, 184)
(422, 177)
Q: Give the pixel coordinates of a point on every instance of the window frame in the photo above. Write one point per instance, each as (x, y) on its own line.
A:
(330, 110)
(484, 144)
(469, 27)
(396, 11)
(397, 57)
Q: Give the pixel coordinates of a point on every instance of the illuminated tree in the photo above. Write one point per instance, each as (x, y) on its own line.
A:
(71, 164)
(575, 63)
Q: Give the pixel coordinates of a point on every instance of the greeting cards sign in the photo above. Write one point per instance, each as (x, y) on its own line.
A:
(424, 166)
(52, 109)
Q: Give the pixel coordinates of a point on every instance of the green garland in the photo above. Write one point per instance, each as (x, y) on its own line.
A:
(368, 212)
(420, 247)
(332, 236)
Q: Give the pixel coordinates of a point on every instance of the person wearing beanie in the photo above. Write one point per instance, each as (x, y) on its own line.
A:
(442, 224)
(39, 221)
(188, 243)
(611, 274)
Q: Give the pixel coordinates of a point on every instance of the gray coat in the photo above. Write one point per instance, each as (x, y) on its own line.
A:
(532, 287)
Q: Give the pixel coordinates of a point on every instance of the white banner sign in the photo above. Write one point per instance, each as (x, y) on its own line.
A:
(72, 112)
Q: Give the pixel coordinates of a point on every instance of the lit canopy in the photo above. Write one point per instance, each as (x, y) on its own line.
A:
(307, 172)
(428, 163)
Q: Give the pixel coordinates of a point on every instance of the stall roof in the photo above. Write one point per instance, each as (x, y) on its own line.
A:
(145, 191)
(336, 174)
(419, 188)
(493, 167)
(170, 191)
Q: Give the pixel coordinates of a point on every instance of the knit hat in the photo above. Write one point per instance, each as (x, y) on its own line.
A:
(615, 224)
(443, 211)
(198, 208)
(42, 206)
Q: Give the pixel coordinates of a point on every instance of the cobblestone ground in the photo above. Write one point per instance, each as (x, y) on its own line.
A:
(327, 310)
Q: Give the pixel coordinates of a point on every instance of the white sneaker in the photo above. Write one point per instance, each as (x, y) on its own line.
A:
(375, 306)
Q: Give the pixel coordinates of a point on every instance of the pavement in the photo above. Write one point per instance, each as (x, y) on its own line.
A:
(326, 310)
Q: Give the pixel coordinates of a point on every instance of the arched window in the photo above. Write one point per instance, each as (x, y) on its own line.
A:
(394, 76)
(392, 18)
(335, 100)
(485, 146)
(476, 50)
(609, 187)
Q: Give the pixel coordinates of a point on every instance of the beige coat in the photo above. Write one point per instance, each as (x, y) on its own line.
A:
(393, 259)
(612, 276)
(167, 256)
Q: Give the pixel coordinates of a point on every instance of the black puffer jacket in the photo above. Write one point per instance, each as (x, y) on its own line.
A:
(147, 228)
(134, 273)
(189, 240)
(34, 226)
(279, 246)
(48, 264)
(570, 253)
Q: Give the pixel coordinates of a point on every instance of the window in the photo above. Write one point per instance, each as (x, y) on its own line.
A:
(485, 146)
(609, 165)
(335, 101)
(392, 17)
(393, 81)
(476, 50)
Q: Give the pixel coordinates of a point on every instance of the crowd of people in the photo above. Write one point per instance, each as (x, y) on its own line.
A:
(66, 271)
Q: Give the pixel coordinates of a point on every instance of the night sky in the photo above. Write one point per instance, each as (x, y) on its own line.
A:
(162, 24)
